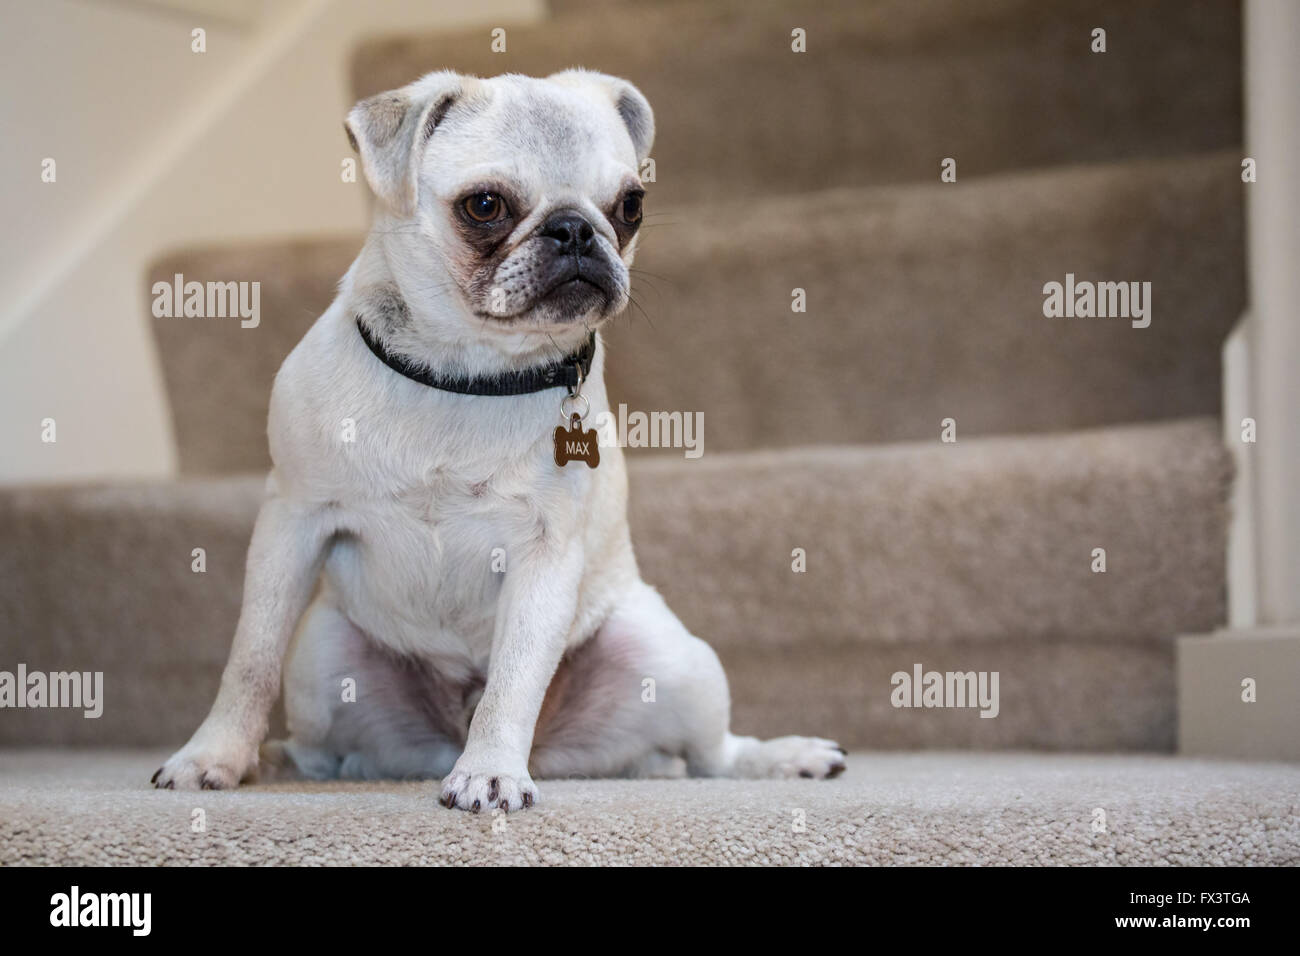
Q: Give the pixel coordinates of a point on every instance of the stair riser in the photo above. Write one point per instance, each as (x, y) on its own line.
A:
(1050, 696)
(927, 304)
(885, 91)
(972, 557)
(922, 304)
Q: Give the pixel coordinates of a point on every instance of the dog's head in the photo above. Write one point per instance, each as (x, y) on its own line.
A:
(515, 199)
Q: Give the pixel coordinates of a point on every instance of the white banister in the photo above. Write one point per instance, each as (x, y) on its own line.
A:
(1239, 689)
(1272, 53)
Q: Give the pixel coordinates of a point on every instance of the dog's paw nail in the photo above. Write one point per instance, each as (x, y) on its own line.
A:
(448, 799)
(842, 751)
(154, 778)
(528, 798)
(505, 806)
(475, 807)
(837, 768)
(169, 785)
(494, 789)
(806, 773)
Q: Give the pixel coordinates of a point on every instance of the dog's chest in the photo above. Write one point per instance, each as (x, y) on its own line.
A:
(422, 568)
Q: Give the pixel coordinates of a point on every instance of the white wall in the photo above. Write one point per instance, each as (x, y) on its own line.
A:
(81, 84)
(158, 147)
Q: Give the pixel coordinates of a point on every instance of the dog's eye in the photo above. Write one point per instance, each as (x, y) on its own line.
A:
(630, 210)
(485, 207)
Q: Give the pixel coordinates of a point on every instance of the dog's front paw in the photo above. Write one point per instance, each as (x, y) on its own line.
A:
(471, 787)
(813, 757)
(206, 763)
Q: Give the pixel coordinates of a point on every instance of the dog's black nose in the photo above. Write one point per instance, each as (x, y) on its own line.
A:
(574, 234)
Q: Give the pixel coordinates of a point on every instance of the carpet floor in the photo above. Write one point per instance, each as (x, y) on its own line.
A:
(96, 807)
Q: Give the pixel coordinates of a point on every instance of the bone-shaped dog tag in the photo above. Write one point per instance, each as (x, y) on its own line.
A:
(576, 443)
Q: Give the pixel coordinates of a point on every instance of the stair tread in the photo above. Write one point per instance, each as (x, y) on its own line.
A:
(924, 302)
(887, 809)
(885, 91)
(975, 555)
(981, 539)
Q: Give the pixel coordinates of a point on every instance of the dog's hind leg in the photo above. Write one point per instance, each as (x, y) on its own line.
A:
(357, 712)
(644, 690)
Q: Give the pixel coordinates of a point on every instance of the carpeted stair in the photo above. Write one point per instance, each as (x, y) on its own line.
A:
(886, 89)
(971, 556)
(923, 302)
(777, 171)
(959, 809)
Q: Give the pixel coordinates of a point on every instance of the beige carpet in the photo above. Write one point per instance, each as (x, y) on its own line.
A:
(971, 556)
(925, 302)
(886, 89)
(81, 807)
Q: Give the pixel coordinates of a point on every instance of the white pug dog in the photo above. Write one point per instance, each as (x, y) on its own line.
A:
(461, 604)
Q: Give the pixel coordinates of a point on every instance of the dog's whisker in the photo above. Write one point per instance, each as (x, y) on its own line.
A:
(652, 275)
(650, 283)
(640, 308)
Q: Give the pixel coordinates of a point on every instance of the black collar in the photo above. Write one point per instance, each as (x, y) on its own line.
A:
(569, 373)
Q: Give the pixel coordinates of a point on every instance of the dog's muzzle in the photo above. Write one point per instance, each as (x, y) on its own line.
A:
(577, 276)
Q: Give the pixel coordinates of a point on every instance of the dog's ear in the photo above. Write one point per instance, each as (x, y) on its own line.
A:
(627, 99)
(389, 132)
